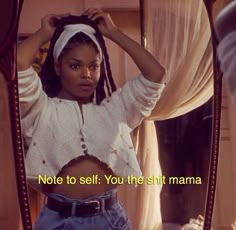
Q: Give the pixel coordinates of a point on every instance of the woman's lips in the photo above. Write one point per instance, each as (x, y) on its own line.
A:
(85, 86)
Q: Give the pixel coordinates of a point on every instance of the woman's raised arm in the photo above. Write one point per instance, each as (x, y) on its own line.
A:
(148, 65)
(27, 49)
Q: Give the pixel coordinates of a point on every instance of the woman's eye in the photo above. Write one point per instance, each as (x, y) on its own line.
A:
(94, 67)
(74, 66)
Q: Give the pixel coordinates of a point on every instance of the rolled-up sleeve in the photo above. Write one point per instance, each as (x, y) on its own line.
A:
(31, 96)
(139, 97)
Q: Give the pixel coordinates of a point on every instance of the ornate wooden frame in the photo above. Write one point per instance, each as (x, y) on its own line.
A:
(11, 10)
(211, 188)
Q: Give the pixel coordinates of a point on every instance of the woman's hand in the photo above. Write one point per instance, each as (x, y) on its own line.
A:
(48, 25)
(28, 48)
(149, 66)
(105, 23)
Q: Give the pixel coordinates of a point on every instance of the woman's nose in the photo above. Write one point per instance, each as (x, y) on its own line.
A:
(85, 73)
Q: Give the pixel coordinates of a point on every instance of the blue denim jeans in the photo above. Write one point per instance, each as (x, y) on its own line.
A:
(114, 218)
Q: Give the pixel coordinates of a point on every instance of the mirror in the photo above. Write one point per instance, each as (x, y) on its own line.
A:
(126, 15)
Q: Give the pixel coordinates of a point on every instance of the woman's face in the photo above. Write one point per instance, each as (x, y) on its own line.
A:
(79, 71)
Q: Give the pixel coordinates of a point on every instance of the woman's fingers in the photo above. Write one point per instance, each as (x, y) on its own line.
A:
(92, 11)
(50, 17)
(104, 21)
(55, 18)
(59, 16)
(94, 14)
(102, 15)
(50, 21)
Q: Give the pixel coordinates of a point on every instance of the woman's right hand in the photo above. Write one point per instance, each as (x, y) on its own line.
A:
(27, 49)
(48, 25)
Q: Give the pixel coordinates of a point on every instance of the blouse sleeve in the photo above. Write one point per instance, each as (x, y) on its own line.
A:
(32, 99)
(139, 97)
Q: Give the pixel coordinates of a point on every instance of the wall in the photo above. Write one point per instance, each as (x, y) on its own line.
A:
(34, 10)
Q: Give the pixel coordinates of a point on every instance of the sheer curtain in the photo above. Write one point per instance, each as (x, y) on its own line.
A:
(178, 35)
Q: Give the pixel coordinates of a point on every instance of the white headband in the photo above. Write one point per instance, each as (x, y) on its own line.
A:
(69, 32)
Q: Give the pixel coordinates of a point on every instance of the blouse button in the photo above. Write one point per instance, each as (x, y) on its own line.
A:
(82, 139)
(114, 151)
(34, 143)
(86, 151)
(83, 146)
(43, 161)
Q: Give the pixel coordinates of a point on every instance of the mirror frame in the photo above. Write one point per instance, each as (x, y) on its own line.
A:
(8, 67)
(216, 121)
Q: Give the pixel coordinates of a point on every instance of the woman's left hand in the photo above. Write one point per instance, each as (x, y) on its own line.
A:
(105, 23)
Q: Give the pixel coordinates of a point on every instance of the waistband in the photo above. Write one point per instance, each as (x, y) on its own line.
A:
(82, 207)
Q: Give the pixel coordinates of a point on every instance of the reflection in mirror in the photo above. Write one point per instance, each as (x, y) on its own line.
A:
(121, 65)
(186, 54)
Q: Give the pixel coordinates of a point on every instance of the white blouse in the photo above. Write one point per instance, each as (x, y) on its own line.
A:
(55, 132)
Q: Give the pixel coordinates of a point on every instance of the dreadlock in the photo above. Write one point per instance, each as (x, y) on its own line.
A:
(51, 82)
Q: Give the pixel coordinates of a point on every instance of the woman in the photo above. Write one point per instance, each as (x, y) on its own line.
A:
(78, 132)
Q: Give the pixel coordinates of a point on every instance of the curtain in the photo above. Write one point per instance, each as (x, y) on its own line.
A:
(178, 35)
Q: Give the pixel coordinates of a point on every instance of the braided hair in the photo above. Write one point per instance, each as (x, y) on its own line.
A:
(51, 82)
